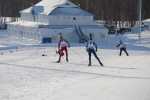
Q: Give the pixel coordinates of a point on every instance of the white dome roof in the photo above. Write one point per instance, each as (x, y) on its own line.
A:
(56, 7)
(47, 6)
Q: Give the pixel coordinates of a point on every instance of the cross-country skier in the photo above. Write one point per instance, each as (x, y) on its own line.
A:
(122, 47)
(63, 47)
(91, 48)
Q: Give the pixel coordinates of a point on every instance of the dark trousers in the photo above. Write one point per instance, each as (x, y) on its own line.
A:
(92, 51)
(66, 52)
(125, 50)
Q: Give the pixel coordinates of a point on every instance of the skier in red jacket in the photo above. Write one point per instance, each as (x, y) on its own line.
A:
(62, 47)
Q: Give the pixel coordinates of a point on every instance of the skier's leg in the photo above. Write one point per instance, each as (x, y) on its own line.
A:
(97, 57)
(120, 52)
(125, 50)
(66, 51)
(61, 50)
(59, 59)
(89, 53)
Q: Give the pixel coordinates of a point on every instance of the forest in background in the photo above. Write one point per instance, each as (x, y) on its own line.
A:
(108, 10)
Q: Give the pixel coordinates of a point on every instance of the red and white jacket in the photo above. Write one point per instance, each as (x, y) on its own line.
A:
(63, 43)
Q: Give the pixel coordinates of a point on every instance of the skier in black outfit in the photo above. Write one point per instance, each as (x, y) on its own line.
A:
(122, 47)
(91, 48)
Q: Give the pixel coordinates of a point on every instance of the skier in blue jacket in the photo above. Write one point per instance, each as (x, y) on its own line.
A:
(91, 48)
(122, 47)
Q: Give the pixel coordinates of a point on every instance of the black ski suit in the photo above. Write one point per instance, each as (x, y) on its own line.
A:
(91, 48)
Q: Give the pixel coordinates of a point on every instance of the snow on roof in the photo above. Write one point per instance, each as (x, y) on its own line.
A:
(49, 6)
(147, 20)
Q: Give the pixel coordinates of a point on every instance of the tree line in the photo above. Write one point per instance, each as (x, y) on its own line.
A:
(116, 11)
(113, 11)
(11, 8)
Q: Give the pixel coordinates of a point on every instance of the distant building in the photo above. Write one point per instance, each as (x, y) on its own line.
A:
(146, 24)
(48, 18)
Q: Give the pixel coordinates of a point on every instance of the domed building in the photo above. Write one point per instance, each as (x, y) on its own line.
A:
(49, 18)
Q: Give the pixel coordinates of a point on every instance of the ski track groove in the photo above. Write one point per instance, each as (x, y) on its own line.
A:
(74, 71)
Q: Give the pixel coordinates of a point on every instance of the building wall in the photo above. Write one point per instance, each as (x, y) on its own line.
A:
(27, 17)
(69, 20)
(43, 19)
(36, 34)
(58, 20)
(37, 18)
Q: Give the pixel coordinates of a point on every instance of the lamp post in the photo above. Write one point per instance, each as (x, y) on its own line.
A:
(140, 19)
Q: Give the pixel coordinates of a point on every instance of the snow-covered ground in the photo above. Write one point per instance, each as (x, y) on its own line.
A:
(26, 75)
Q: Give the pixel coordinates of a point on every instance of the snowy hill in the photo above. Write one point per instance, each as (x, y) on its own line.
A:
(26, 75)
